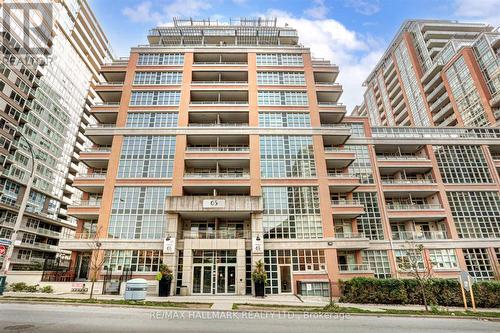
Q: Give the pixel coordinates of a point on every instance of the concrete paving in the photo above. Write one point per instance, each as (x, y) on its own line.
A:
(221, 302)
(52, 318)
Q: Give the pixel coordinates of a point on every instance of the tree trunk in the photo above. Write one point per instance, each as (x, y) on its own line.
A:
(424, 296)
(94, 275)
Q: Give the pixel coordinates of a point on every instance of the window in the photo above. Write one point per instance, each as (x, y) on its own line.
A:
(443, 258)
(314, 289)
(378, 262)
(361, 167)
(402, 261)
(478, 264)
(152, 119)
(151, 78)
(281, 78)
(284, 119)
(145, 98)
(475, 214)
(462, 164)
(135, 260)
(147, 157)
(295, 98)
(286, 156)
(291, 212)
(138, 213)
(155, 59)
(279, 59)
(370, 222)
(305, 260)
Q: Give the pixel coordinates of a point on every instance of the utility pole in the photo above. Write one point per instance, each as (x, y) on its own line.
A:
(22, 208)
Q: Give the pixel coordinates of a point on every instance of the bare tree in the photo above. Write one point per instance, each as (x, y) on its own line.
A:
(96, 261)
(415, 265)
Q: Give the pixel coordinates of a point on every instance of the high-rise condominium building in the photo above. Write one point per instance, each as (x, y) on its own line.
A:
(218, 145)
(437, 73)
(45, 76)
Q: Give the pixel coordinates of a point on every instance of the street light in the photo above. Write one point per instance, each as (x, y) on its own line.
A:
(22, 208)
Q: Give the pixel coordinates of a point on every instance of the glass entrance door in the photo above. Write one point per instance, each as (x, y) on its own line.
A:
(226, 279)
(202, 279)
(83, 266)
(285, 279)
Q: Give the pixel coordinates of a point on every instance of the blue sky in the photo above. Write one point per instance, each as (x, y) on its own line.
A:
(350, 33)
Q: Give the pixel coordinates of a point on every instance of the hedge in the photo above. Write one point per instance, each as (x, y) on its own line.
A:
(444, 292)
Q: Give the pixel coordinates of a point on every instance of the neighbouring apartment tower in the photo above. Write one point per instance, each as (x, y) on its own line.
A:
(45, 104)
(436, 73)
(218, 145)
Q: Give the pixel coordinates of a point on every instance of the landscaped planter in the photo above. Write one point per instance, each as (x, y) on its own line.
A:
(259, 289)
(164, 287)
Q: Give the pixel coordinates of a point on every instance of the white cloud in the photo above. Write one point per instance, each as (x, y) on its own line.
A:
(365, 7)
(355, 54)
(318, 11)
(485, 11)
(143, 12)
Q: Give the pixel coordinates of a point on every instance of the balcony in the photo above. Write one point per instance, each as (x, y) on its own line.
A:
(90, 182)
(355, 269)
(415, 185)
(210, 146)
(85, 209)
(337, 157)
(327, 77)
(419, 236)
(214, 60)
(96, 157)
(42, 231)
(109, 92)
(329, 96)
(348, 209)
(342, 182)
(395, 161)
(217, 234)
(351, 241)
(218, 149)
(417, 212)
(208, 79)
(40, 246)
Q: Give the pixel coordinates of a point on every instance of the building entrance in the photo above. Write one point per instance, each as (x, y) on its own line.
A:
(214, 272)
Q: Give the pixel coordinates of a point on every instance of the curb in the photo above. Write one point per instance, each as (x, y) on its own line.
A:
(374, 314)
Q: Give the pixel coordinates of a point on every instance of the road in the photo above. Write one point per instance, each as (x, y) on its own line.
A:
(52, 318)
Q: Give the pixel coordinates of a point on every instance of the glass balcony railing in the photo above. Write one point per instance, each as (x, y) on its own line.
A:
(409, 206)
(216, 234)
(218, 148)
(345, 202)
(354, 268)
(419, 235)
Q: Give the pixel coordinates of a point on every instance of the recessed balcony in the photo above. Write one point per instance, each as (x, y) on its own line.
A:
(224, 97)
(401, 211)
(357, 269)
(90, 182)
(208, 79)
(327, 77)
(419, 235)
(351, 241)
(95, 157)
(109, 92)
(228, 144)
(338, 157)
(329, 96)
(220, 59)
(420, 186)
(346, 208)
(221, 119)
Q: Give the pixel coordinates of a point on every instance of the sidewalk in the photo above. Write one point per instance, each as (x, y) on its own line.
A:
(221, 302)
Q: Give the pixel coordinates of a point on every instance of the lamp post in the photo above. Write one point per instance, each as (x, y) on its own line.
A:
(22, 208)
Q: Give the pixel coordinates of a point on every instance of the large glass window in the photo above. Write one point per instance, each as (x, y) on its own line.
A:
(291, 98)
(462, 164)
(478, 264)
(284, 119)
(145, 98)
(370, 222)
(443, 258)
(138, 212)
(378, 262)
(152, 119)
(281, 78)
(135, 260)
(151, 78)
(279, 59)
(160, 59)
(147, 157)
(291, 212)
(286, 156)
(476, 214)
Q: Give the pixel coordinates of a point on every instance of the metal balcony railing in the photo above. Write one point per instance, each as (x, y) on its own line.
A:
(220, 82)
(98, 175)
(409, 181)
(400, 157)
(87, 203)
(219, 102)
(218, 124)
(97, 149)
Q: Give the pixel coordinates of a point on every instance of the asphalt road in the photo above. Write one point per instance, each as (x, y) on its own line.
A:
(51, 318)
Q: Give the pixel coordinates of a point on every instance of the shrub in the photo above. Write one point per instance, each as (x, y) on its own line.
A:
(19, 286)
(47, 289)
(443, 292)
(31, 289)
